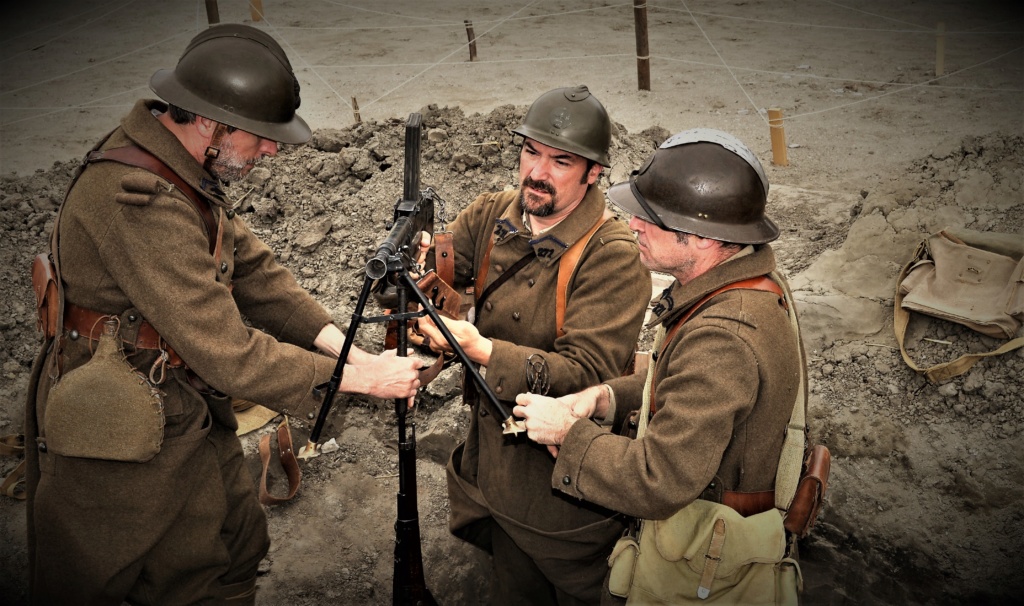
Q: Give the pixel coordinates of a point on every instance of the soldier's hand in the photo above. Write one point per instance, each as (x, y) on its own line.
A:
(476, 346)
(390, 376)
(547, 419)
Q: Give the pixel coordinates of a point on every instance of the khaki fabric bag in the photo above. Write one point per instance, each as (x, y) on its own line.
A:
(706, 553)
(105, 409)
(968, 277)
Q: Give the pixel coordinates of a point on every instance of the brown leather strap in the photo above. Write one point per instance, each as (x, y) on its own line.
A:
(712, 559)
(567, 266)
(89, 324)
(749, 503)
(759, 283)
(14, 484)
(444, 256)
(133, 155)
(288, 462)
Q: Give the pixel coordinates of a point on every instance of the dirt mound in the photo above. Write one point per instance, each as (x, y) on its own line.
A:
(926, 501)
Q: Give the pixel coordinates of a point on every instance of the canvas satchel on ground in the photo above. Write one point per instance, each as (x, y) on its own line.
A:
(105, 409)
(968, 277)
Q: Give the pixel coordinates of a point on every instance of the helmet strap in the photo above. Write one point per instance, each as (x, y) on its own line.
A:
(213, 149)
(647, 207)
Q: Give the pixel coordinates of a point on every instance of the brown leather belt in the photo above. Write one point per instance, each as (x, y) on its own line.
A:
(749, 503)
(89, 324)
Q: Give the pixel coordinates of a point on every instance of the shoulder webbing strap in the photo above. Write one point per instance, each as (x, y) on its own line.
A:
(134, 155)
(567, 266)
(759, 283)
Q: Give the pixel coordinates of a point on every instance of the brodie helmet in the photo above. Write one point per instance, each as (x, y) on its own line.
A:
(572, 120)
(703, 182)
(239, 76)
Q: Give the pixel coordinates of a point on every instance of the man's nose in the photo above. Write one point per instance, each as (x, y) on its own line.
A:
(636, 224)
(268, 147)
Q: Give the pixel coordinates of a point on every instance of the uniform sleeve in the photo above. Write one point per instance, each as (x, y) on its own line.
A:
(697, 407)
(267, 293)
(603, 315)
(159, 257)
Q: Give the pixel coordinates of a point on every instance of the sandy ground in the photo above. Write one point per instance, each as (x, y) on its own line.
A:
(926, 503)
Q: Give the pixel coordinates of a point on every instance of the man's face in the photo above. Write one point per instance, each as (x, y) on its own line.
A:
(239, 151)
(552, 180)
(663, 250)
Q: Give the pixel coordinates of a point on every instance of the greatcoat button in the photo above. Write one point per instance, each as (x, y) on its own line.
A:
(488, 306)
(498, 389)
(132, 317)
(515, 316)
(42, 447)
(530, 282)
(230, 213)
(224, 267)
(566, 480)
(499, 268)
(483, 413)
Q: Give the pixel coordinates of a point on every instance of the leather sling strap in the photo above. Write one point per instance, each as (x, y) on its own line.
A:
(14, 484)
(288, 462)
(566, 267)
(759, 283)
(133, 155)
(711, 559)
(444, 256)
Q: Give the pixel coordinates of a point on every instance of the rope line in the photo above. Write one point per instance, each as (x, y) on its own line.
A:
(840, 27)
(86, 105)
(94, 65)
(63, 34)
(55, 24)
(850, 8)
(912, 87)
(457, 49)
(722, 59)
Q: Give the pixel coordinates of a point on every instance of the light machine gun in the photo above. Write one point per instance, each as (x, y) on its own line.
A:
(394, 258)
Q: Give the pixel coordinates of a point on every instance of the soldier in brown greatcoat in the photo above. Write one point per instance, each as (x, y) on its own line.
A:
(147, 236)
(724, 385)
(546, 548)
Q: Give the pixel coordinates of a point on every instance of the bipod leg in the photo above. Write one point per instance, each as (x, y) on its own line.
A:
(311, 449)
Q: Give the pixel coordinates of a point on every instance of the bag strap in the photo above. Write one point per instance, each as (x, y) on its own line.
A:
(14, 484)
(567, 267)
(945, 370)
(291, 465)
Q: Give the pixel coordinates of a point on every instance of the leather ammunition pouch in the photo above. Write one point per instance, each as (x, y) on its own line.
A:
(810, 492)
(44, 285)
(105, 409)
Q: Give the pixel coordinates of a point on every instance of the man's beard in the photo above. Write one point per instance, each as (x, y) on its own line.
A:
(229, 167)
(540, 209)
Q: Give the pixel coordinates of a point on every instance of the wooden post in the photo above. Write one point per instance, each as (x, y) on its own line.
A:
(643, 52)
(212, 12)
(256, 9)
(778, 137)
(472, 39)
(355, 111)
(940, 50)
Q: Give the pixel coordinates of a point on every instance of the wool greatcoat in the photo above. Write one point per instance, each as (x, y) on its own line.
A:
(725, 386)
(507, 479)
(186, 526)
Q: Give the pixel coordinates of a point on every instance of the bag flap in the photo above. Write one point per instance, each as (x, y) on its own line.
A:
(686, 535)
(1008, 245)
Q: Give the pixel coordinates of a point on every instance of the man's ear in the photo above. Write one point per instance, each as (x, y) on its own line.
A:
(595, 172)
(205, 126)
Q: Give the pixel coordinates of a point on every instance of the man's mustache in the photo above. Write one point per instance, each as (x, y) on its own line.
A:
(543, 186)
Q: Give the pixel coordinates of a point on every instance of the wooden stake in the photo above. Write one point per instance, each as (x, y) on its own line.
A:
(643, 51)
(778, 137)
(256, 9)
(355, 110)
(212, 12)
(940, 49)
(472, 39)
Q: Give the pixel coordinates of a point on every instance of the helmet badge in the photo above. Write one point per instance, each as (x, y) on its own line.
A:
(561, 118)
